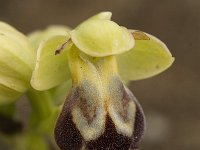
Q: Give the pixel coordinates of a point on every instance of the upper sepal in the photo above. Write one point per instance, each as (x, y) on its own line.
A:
(102, 37)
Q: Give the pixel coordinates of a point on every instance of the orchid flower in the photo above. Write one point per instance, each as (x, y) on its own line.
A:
(96, 60)
(99, 56)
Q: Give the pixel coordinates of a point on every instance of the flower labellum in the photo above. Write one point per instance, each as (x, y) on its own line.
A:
(100, 112)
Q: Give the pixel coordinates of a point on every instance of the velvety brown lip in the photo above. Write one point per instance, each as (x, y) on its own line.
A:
(66, 134)
(110, 139)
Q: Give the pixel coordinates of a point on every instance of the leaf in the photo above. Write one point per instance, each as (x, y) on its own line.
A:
(51, 69)
(146, 59)
(101, 38)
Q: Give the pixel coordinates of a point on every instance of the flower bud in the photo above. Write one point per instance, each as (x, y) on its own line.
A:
(16, 63)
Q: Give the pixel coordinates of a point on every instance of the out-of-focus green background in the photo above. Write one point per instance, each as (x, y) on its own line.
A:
(171, 101)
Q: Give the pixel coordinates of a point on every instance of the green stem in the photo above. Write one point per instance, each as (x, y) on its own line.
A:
(42, 109)
(41, 103)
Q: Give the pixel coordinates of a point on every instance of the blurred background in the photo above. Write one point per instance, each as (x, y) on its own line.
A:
(171, 101)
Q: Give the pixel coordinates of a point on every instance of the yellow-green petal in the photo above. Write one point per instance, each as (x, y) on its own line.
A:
(149, 57)
(51, 69)
(101, 38)
(42, 35)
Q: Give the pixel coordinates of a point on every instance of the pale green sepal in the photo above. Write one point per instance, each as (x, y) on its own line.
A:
(51, 69)
(146, 59)
(101, 38)
(42, 35)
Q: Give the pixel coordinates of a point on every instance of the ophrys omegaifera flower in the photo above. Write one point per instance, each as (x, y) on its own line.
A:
(99, 56)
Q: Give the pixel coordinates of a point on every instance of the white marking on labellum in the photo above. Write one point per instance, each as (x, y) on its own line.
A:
(93, 130)
(124, 127)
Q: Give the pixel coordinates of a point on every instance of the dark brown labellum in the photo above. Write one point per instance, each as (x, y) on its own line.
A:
(89, 122)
